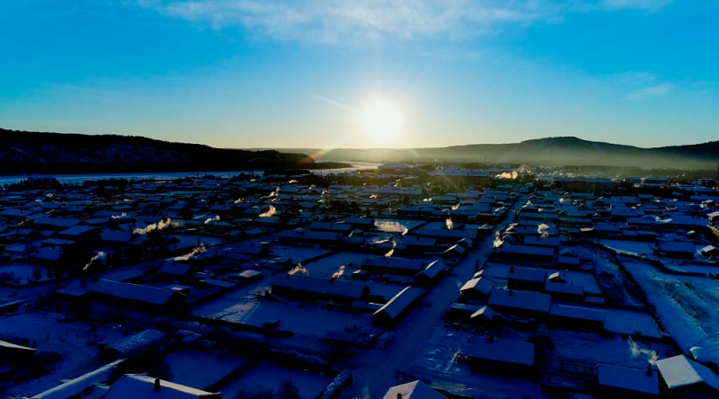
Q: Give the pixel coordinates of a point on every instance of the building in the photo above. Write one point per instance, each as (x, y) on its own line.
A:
(677, 249)
(476, 289)
(521, 303)
(315, 289)
(394, 266)
(576, 317)
(388, 314)
(140, 386)
(687, 379)
(621, 382)
(500, 356)
(524, 278)
(413, 390)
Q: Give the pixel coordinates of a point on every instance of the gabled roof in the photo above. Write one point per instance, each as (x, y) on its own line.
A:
(480, 284)
(400, 302)
(413, 390)
(76, 230)
(135, 292)
(137, 386)
(630, 379)
(139, 342)
(528, 300)
(680, 371)
(501, 350)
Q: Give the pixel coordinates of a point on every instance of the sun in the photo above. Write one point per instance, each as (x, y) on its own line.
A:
(381, 119)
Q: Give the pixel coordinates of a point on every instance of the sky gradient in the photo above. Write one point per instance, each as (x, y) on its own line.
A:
(299, 73)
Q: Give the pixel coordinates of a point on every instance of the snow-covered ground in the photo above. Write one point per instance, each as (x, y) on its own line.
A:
(24, 272)
(617, 288)
(270, 375)
(67, 339)
(436, 362)
(588, 348)
(685, 305)
(630, 247)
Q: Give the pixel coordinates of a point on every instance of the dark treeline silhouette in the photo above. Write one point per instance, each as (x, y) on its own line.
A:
(33, 152)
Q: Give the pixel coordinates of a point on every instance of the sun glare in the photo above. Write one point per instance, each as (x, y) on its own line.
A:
(381, 120)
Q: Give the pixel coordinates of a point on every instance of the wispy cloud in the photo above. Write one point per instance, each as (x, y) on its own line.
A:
(339, 21)
(633, 78)
(644, 5)
(652, 91)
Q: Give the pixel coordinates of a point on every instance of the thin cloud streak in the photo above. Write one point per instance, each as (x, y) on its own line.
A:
(342, 21)
(652, 91)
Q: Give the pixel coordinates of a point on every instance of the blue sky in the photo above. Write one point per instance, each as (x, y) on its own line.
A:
(299, 73)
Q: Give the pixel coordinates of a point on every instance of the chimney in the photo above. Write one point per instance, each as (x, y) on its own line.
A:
(157, 384)
(399, 395)
(510, 292)
(649, 369)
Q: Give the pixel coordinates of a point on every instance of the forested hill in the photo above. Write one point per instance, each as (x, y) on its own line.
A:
(33, 152)
(552, 151)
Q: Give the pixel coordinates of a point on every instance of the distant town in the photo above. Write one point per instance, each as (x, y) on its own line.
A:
(393, 281)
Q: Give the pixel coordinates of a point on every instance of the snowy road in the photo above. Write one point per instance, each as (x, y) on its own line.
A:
(374, 370)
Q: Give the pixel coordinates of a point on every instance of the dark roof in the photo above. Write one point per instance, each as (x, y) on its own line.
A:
(528, 300)
(400, 302)
(135, 292)
(526, 274)
(139, 343)
(501, 350)
(339, 288)
(482, 285)
(412, 390)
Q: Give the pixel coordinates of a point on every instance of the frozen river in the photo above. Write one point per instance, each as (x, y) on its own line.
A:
(79, 178)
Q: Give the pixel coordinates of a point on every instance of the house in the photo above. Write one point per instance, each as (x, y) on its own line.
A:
(576, 317)
(432, 273)
(388, 314)
(115, 237)
(360, 223)
(55, 224)
(526, 253)
(77, 232)
(476, 289)
(395, 266)
(621, 382)
(687, 379)
(135, 345)
(483, 317)
(521, 303)
(523, 278)
(340, 228)
(76, 387)
(413, 390)
(501, 356)
(564, 292)
(14, 353)
(140, 386)
(141, 295)
(710, 251)
(677, 249)
(126, 276)
(316, 289)
(175, 270)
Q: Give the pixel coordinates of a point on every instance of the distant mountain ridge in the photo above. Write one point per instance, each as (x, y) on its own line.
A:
(552, 151)
(33, 152)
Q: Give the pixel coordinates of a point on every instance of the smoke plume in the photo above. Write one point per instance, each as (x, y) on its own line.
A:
(161, 225)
